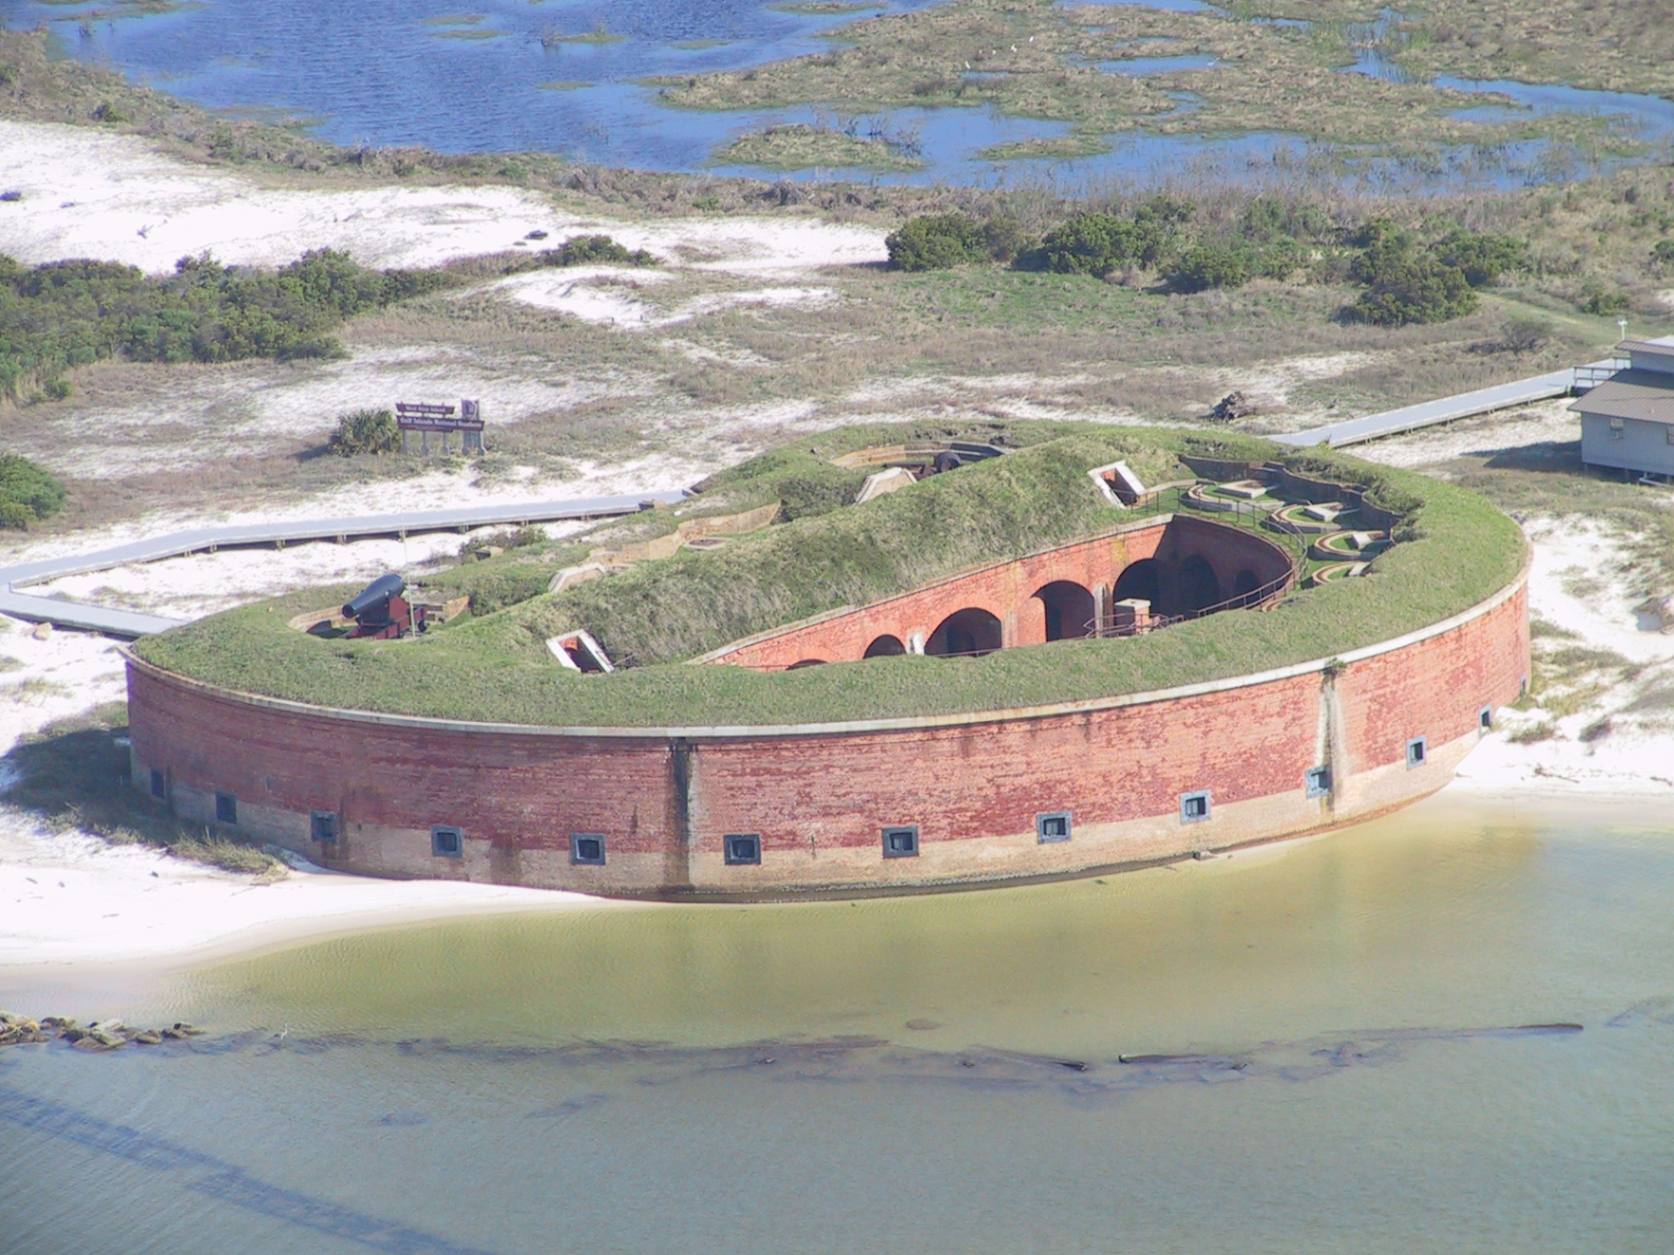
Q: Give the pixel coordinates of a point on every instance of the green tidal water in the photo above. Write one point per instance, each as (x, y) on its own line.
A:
(937, 1073)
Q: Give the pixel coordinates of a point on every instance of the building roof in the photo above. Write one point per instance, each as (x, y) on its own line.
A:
(1646, 395)
(1665, 345)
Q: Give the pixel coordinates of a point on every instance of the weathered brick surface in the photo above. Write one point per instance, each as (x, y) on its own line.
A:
(819, 801)
(1007, 590)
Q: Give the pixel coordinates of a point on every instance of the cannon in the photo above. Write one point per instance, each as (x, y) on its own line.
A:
(380, 610)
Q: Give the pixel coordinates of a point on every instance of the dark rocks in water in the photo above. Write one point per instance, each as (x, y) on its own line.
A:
(922, 1026)
(403, 1119)
(96, 1035)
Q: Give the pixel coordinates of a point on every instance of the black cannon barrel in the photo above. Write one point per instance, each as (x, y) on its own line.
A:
(374, 596)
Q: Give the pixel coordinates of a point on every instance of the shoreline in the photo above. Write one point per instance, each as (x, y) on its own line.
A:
(137, 912)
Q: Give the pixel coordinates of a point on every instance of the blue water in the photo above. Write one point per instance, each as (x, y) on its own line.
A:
(359, 72)
(1140, 67)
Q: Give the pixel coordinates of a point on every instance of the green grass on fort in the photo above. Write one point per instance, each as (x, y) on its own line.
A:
(1456, 551)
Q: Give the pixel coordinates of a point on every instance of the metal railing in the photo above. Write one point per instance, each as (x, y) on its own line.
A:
(1586, 378)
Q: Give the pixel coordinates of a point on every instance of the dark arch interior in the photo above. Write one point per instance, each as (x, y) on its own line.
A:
(967, 631)
(1245, 583)
(1199, 589)
(1137, 581)
(1068, 607)
(885, 646)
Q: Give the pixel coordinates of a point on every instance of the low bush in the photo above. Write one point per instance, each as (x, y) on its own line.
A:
(595, 250)
(1602, 301)
(365, 431)
(1205, 266)
(937, 242)
(1099, 243)
(69, 313)
(1483, 258)
(28, 493)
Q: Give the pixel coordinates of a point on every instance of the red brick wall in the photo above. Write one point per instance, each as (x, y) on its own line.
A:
(973, 788)
(1006, 590)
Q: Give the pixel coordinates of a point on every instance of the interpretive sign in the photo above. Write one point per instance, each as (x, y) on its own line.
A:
(424, 418)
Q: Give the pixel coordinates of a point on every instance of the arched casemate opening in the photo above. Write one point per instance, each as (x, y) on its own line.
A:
(967, 631)
(1139, 580)
(1068, 609)
(885, 646)
(1199, 589)
(1245, 583)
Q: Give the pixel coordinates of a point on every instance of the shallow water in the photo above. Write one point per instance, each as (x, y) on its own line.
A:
(359, 72)
(938, 1073)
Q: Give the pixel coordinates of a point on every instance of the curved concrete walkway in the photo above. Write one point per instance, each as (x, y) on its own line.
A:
(129, 623)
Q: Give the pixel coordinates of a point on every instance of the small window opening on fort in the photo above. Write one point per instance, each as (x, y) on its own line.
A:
(446, 842)
(1417, 751)
(1318, 781)
(885, 646)
(901, 842)
(968, 632)
(1485, 719)
(587, 849)
(322, 826)
(159, 784)
(226, 808)
(1052, 826)
(742, 848)
(1194, 807)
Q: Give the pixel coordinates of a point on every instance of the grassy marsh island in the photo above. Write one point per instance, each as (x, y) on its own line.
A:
(799, 146)
(1038, 59)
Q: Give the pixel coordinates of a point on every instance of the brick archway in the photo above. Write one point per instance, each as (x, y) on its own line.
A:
(885, 646)
(1067, 608)
(970, 631)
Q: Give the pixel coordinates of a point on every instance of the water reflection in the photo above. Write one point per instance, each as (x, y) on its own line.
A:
(474, 82)
(1338, 1040)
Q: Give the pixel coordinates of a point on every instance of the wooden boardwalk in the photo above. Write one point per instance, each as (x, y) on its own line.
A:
(129, 623)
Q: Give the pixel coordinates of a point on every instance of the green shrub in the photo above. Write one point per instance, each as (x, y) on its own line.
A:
(937, 242)
(1662, 253)
(56, 389)
(1279, 260)
(1483, 258)
(1271, 220)
(1098, 243)
(594, 250)
(1205, 266)
(28, 493)
(1596, 299)
(107, 112)
(365, 431)
(1414, 290)
(69, 313)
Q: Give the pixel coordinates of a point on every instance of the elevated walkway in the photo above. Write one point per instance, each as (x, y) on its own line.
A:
(128, 623)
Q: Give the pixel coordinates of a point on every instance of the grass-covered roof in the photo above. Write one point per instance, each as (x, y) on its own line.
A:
(494, 666)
